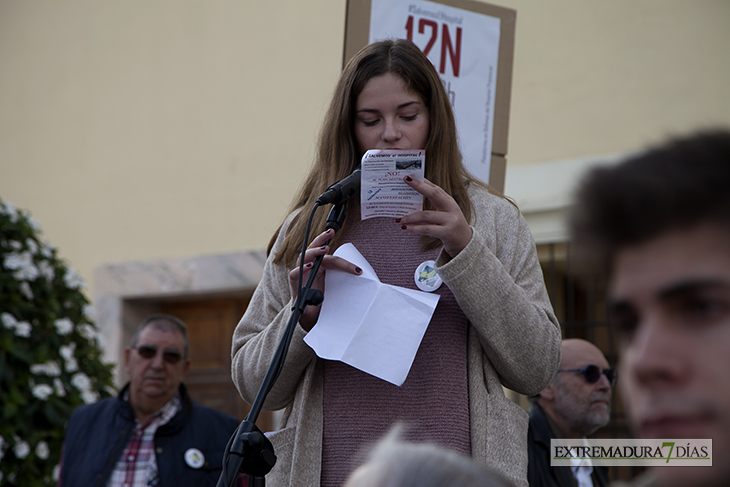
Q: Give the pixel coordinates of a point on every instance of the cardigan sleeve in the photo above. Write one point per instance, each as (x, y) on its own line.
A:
(498, 283)
(257, 336)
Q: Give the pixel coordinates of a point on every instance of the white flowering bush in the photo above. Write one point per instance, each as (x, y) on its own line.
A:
(50, 352)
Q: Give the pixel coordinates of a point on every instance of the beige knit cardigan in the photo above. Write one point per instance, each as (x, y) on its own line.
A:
(513, 341)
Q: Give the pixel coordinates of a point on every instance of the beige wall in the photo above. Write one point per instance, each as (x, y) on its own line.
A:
(597, 77)
(144, 130)
(136, 130)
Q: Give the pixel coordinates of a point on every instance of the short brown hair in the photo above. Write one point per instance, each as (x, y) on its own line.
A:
(679, 184)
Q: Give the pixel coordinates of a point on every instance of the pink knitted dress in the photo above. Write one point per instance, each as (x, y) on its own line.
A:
(434, 399)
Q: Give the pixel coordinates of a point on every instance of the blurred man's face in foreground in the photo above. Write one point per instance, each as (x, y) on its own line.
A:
(670, 302)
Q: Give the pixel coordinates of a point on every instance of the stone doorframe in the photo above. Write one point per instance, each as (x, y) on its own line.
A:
(127, 292)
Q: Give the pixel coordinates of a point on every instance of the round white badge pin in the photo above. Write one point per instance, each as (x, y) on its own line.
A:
(194, 458)
(426, 277)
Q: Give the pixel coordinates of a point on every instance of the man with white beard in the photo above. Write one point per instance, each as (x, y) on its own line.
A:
(574, 405)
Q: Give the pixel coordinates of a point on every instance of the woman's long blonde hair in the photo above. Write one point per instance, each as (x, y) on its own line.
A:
(338, 155)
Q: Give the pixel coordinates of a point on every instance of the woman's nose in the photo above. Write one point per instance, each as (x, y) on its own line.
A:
(391, 131)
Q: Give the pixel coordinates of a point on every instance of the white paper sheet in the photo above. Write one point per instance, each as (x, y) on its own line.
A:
(371, 326)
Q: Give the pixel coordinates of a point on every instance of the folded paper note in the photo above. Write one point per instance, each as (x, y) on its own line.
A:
(369, 325)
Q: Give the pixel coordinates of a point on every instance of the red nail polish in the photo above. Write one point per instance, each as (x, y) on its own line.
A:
(397, 220)
(404, 227)
(408, 178)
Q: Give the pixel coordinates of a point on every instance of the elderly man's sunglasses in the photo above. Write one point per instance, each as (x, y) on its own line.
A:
(592, 373)
(148, 352)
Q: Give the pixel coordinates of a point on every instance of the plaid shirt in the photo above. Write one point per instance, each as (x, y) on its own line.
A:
(137, 467)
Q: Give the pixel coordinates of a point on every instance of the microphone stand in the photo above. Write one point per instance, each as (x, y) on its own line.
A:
(249, 450)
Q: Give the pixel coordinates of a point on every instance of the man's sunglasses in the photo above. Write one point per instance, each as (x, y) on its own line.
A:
(592, 373)
(148, 351)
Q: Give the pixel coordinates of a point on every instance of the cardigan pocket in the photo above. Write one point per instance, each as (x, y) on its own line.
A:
(507, 444)
(283, 441)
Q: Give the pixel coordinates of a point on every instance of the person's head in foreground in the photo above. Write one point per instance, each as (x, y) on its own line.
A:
(578, 400)
(659, 226)
(396, 463)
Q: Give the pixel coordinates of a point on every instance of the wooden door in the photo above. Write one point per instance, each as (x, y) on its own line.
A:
(210, 325)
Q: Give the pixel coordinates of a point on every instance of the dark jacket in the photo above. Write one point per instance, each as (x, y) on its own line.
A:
(98, 433)
(539, 471)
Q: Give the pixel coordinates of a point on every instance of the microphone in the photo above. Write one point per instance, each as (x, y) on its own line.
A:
(342, 190)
